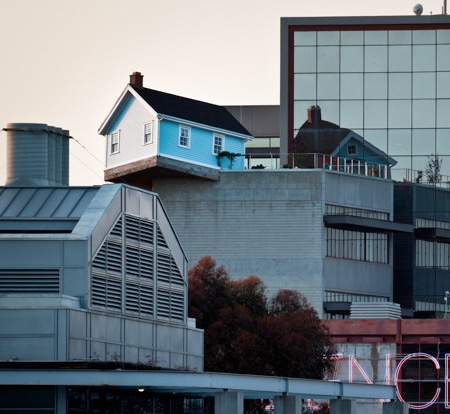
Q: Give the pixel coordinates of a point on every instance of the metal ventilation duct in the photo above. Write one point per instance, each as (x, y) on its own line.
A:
(37, 155)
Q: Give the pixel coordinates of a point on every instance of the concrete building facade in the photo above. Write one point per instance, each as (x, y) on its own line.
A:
(325, 233)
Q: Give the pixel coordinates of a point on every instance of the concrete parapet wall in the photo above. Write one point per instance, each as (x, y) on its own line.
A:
(80, 335)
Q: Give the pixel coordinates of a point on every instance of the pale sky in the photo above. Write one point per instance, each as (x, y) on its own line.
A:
(65, 63)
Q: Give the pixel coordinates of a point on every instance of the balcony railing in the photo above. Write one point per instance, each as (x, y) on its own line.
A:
(314, 160)
(419, 176)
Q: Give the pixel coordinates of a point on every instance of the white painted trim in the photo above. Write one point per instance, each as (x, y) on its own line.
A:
(188, 128)
(110, 166)
(129, 90)
(152, 132)
(131, 161)
(111, 143)
(201, 164)
(163, 117)
(214, 140)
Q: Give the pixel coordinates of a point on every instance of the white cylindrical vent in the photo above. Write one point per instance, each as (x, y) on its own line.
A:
(51, 156)
(58, 154)
(35, 155)
(65, 157)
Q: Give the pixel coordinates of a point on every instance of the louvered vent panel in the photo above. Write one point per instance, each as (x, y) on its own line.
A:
(29, 281)
(106, 292)
(170, 304)
(132, 260)
(139, 230)
(114, 257)
(132, 228)
(163, 268)
(117, 229)
(139, 298)
(139, 262)
(168, 271)
(163, 303)
(177, 304)
(147, 231)
(176, 277)
(146, 264)
(99, 261)
(109, 257)
(161, 240)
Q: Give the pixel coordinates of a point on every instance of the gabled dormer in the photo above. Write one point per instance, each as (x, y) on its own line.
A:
(151, 133)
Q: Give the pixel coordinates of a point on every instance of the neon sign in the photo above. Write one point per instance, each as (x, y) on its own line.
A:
(355, 368)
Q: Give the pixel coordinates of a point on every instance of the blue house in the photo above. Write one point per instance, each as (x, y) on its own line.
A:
(326, 144)
(151, 133)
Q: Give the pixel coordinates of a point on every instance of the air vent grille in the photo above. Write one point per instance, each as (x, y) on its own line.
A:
(29, 281)
(107, 292)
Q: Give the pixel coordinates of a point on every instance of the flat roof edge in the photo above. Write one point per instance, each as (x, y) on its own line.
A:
(366, 20)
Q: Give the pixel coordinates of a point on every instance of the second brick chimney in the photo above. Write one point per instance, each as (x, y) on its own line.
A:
(314, 115)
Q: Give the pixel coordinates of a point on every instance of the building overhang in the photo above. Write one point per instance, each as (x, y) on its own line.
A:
(432, 233)
(347, 222)
(142, 171)
(197, 383)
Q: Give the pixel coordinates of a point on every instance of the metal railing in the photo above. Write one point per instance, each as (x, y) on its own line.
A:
(420, 177)
(315, 160)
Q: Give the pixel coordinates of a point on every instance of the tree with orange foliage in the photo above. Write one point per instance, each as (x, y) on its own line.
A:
(249, 334)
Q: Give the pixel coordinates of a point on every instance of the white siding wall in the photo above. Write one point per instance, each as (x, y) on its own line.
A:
(131, 123)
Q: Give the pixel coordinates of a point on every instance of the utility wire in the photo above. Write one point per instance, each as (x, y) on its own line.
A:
(92, 155)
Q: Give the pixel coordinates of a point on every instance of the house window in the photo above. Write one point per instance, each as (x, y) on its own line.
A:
(115, 142)
(184, 139)
(218, 144)
(351, 149)
(148, 133)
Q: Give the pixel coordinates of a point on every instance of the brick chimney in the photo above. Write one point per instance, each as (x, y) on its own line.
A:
(314, 115)
(136, 79)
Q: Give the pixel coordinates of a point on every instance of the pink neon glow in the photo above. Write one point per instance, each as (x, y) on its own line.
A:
(352, 361)
(388, 369)
(447, 359)
(397, 378)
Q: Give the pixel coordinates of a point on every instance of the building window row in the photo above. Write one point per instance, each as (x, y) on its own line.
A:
(184, 140)
(371, 37)
(333, 296)
(426, 223)
(432, 254)
(356, 245)
(332, 209)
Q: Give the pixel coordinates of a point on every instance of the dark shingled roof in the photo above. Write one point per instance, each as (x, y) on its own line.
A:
(321, 137)
(191, 110)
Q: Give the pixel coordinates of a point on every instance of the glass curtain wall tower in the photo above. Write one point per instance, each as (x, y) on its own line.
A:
(386, 78)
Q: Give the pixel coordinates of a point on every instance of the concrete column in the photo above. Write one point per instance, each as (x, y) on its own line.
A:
(288, 404)
(229, 402)
(61, 399)
(341, 406)
(395, 407)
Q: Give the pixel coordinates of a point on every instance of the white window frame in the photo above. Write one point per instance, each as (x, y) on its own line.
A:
(148, 133)
(187, 137)
(113, 142)
(222, 146)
